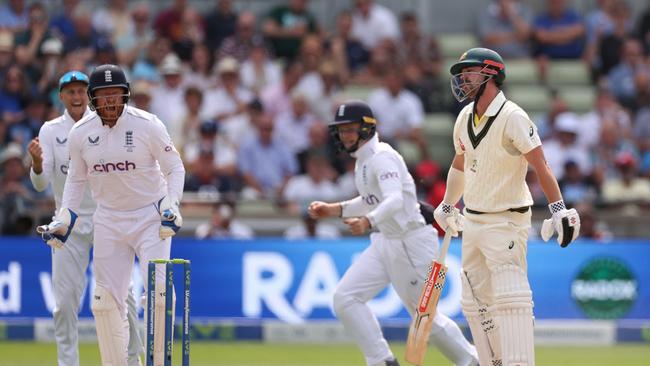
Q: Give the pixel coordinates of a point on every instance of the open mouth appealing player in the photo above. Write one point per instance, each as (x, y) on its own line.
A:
(136, 178)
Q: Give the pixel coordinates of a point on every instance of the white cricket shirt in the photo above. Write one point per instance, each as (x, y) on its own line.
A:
(53, 138)
(129, 166)
(386, 190)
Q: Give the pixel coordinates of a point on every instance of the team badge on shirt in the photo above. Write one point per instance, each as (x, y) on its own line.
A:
(128, 141)
(93, 141)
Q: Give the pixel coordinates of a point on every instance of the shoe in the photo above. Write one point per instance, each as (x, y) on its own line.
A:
(392, 362)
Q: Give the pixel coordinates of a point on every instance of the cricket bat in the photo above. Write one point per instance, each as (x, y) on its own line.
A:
(418, 338)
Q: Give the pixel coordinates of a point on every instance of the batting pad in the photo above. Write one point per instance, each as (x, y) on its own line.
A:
(513, 310)
(485, 332)
(111, 329)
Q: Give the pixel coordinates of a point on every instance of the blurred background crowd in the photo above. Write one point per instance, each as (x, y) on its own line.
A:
(246, 89)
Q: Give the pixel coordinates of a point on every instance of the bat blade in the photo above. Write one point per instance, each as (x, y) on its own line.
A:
(425, 311)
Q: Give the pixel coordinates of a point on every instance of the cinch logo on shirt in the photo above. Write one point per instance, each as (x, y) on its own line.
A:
(112, 167)
(388, 175)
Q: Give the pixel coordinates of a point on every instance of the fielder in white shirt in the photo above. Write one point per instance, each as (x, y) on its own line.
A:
(399, 253)
(136, 178)
(49, 152)
(495, 140)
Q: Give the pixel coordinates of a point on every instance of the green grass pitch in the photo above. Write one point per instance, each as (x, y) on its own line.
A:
(259, 354)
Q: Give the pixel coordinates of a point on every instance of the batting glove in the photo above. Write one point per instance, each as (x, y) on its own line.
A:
(449, 218)
(57, 232)
(565, 222)
(170, 217)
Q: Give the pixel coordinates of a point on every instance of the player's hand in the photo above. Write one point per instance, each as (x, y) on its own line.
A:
(170, 217)
(565, 222)
(36, 152)
(357, 225)
(57, 232)
(449, 218)
(319, 210)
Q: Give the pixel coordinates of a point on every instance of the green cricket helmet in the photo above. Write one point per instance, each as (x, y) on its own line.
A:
(493, 68)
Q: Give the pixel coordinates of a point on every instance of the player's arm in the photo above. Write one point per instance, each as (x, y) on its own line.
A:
(57, 232)
(40, 149)
(387, 175)
(354, 207)
(524, 137)
(171, 165)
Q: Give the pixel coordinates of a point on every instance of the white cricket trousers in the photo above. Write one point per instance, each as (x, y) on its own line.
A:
(402, 262)
(119, 237)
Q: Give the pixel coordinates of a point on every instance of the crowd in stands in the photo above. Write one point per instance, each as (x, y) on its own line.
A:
(247, 96)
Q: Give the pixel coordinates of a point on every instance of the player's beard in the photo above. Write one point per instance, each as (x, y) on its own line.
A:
(110, 113)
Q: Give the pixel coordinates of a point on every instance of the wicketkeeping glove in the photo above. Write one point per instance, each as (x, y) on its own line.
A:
(57, 232)
(170, 217)
(449, 218)
(565, 222)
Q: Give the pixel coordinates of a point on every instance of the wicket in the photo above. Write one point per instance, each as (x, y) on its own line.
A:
(169, 288)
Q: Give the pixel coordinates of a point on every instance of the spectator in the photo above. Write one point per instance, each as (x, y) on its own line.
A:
(607, 29)
(220, 24)
(611, 145)
(546, 121)
(168, 23)
(51, 63)
(381, 61)
(331, 93)
(628, 188)
(35, 114)
(188, 127)
(285, 27)
(374, 24)
(416, 47)
(310, 228)
(575, 186)
(259, 71)
(399, 111)
(316, 184)
(319, 144)
(606, 108)
(147, 68)
(192, 34)
(292, 126)
(643, 29)
(201, 69)
(167, 98)
(228, 103)
(62, 24)
(563, 146)
(14, 95)
(82, 45)
(311, 56)
(348, 53)
(240, 44)
(622, 78)
(141, 96)
(133, 45)
(16, 196)
(277, 97)
(265, 163)
(428, 86)
(506, 28)
(212, 160)
(28, 42)
(223, 225)
(6, 52)
(113, 19)
(558, 33)
(591, 227)
(14, 15)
